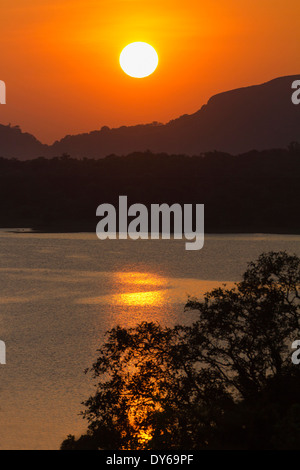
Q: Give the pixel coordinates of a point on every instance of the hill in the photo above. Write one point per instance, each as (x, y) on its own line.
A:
(17, 144)
(256, 117)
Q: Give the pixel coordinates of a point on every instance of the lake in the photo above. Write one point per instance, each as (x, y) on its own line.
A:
(61, 292)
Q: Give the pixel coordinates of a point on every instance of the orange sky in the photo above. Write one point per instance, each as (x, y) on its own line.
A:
(60, 58)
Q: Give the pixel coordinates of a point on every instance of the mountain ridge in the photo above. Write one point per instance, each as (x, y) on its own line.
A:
(235, 121)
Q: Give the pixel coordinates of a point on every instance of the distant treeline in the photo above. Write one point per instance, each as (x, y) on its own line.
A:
(253, 192)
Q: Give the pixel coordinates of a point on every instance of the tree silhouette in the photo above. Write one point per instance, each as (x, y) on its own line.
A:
(263, 187)
(219, 383)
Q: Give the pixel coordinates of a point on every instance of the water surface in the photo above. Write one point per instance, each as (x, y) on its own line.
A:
(61, 292)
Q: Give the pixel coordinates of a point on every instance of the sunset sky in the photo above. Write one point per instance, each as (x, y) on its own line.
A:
(60, 58)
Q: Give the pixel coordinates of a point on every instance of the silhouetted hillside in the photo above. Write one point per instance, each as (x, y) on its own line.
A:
(257, 117)
(15, 143)
(253, 192)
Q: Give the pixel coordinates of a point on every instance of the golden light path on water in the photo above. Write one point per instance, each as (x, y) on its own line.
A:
(60, 293)
(140, 289)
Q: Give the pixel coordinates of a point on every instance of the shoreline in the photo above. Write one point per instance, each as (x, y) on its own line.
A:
(55, 230)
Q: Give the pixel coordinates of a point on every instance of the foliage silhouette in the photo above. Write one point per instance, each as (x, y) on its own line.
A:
(226, 381)
(257, 192)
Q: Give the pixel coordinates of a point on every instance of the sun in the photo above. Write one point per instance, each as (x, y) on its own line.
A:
(139, 60)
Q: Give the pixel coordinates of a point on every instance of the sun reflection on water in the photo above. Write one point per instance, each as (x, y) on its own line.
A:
(139, 278)
(141, 289)
(146, 289)
(140, 299)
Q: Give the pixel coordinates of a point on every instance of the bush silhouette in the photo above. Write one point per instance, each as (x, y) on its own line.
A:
(226, 381)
